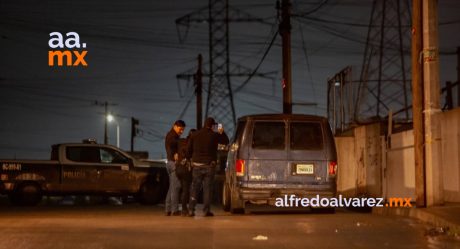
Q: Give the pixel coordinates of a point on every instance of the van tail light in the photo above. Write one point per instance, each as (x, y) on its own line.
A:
(239, 167)
(332, 168)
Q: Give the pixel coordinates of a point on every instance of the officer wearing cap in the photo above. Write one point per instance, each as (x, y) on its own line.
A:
(171, 146)
(202, 151)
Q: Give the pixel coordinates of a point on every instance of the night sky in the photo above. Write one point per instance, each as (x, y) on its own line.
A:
(134, 54)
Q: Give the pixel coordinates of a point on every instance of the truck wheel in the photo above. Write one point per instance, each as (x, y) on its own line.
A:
(236, 205)
(14, 199)
(149, 194)
(27, 194)
(225, 198)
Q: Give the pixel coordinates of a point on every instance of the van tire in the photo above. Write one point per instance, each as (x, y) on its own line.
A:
(236, 204)
(226, 198)
(27, 194)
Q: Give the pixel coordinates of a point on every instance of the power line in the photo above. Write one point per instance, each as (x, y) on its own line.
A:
(240, 87)
(317, 8)
(352, 24)
(308, 64)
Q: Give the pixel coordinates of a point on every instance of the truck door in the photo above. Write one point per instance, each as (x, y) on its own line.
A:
(114, 171)
(79, 171)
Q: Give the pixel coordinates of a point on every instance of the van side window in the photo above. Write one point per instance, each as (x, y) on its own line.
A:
(306, 136)
(268, 136)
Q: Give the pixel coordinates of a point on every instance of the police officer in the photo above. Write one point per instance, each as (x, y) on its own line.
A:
(202, 149)
(184, 172)
(171, 145)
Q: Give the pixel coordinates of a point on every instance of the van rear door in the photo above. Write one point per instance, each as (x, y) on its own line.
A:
(307, 155)
(267, 165)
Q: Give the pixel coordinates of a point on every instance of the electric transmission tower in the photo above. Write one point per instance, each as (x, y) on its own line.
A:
(384, 83)
(218, 15)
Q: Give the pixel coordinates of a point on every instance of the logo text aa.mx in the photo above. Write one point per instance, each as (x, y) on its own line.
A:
(73, 57)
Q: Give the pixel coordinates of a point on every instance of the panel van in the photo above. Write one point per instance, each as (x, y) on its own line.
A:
(273, 155)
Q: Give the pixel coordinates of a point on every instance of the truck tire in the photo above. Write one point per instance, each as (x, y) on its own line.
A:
(226, 198)
(236, 204)
(149, 193)
(27, 194)
(13, 197)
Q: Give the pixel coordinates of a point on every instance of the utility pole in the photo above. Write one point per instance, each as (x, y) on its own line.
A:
(106, 112)
(285, 31)
(384, 81)
(417, 102)
(218, 15)
(198, 92)
(134, 123)
(340, 100)
(105, 104)
(433, 161)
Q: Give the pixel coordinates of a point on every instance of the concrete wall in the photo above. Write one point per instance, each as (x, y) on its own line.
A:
(369, 166)
(359, 160)
(347, 166)
(399, 170)
(450, 134)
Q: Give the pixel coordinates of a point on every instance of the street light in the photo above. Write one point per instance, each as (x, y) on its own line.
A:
(111, 118)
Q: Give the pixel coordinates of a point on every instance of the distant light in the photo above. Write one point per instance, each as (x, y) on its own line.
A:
(337, 83)
(110, 118)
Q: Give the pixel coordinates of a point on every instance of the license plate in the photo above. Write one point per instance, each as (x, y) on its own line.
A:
(304, 169)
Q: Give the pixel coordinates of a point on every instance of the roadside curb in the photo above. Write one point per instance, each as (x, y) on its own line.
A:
(421, 214)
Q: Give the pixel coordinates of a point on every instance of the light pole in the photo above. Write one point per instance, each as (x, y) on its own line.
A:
(110, 119)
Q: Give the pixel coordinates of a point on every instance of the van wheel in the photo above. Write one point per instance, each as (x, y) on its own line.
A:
(236, 205)
(149, 194)
(27, 194)
(226, 198)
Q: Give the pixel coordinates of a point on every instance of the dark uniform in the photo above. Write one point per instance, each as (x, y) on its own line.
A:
(202, 149)
(171, 146)
(184, 172)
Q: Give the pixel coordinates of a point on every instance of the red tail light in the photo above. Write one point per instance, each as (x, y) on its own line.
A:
(332, 168)
(239, 167)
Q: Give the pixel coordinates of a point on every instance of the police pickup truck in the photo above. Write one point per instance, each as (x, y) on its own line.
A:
(83, 169)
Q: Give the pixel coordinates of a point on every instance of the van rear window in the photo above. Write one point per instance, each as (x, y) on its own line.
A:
(306, 136)
(268, 136)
